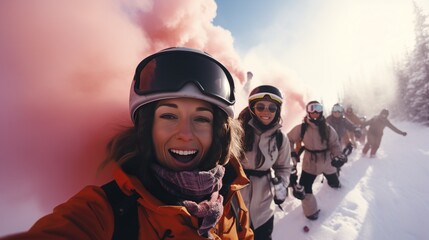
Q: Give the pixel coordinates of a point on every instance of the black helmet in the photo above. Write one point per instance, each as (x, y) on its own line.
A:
(182, 72)
(266, 92)
(384, 112)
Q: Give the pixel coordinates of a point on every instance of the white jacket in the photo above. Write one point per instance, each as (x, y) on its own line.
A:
(258, 195)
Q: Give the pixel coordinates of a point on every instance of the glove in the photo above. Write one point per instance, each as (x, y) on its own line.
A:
(295, 156)
(298, 192)
(280, 190)
(404, 134)
(348, 149)
(293, 178)
(358, 132)
(339, 161)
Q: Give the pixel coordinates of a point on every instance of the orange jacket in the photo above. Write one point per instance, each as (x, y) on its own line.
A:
(88, 215)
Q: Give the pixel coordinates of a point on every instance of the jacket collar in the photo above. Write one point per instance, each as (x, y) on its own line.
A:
(259, 132)
(234, 180)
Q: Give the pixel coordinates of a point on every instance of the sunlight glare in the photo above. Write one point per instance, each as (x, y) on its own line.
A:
(343, 45)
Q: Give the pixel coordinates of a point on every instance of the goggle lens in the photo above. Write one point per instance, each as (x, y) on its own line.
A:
(337, 108)
(315, 107)
(170, 71)
(260, 107)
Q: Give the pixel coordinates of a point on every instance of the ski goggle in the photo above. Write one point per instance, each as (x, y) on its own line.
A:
(337, 108)
(266, 95)
(260, 107)
(169, 71)
(314, 107)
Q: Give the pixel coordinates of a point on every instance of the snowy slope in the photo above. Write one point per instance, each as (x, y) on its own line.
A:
(380, 198)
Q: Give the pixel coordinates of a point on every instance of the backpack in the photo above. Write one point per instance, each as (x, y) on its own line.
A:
(126, 223)
(299, 149)
(125, 213)
(279, 138)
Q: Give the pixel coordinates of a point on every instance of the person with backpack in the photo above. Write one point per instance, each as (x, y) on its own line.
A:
(322, 154)
(178, 174)
(375, 132)
(266, 159)
(341, 125)
(356, 120)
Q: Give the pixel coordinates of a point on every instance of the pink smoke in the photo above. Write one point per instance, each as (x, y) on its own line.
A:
(65, 70)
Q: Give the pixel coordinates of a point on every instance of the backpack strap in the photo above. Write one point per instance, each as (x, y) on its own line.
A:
(257, 173)
(299, 148)
(124, 210)
(236, 211)
(279, 138)
(304, 126)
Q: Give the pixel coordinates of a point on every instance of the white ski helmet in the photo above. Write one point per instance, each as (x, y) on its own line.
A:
(314, 106)
(182, 72)
(338, 108)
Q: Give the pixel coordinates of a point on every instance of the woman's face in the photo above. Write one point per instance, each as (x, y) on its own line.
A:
(337, 114)
(182, 132)
(314, 115)
(265, 111)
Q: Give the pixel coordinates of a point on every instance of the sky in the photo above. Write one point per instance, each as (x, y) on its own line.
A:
(320, 48)
(66, 69)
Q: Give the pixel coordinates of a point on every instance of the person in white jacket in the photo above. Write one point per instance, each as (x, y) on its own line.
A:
(322, 154)
(266, 159)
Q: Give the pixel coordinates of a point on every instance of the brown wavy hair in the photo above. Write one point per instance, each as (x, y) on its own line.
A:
(133, 148)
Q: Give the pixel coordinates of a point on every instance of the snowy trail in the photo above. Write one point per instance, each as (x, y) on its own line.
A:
(380, 198)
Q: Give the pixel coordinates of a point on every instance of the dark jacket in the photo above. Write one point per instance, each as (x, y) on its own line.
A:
(340, 125)
(377, 125)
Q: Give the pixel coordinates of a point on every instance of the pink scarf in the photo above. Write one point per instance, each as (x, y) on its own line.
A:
(194, 186)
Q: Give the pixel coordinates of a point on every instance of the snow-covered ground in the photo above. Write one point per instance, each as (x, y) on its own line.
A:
(381, 198)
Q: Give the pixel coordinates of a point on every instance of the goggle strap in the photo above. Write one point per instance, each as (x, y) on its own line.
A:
(263, 94)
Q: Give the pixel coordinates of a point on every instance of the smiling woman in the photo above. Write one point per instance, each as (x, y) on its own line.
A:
(177, 171)
(182, 132)
(266, 158)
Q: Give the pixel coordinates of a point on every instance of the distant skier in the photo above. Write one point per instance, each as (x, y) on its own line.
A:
(341, 125)
(356, 120)
(375, 131)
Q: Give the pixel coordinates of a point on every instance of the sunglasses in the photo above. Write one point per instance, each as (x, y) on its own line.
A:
(260, 107)
(315, 107)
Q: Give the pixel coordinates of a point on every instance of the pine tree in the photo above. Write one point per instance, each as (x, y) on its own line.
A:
(419, 81)
(399, 107)
(413, 76)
